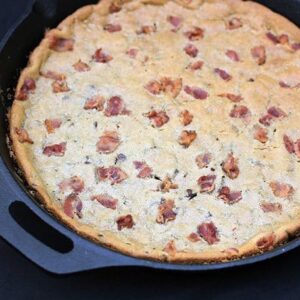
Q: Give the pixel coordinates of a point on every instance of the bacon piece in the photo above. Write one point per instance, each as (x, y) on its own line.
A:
(187, 137)
(259, 54)
(228, 196)
(158, 118)
(112, 27)
(230, 166)
(125, 222)
(96, 102)
(272, 114)
(106, 201)
(115, 7)
(223, 74)
(196, 92)
(207, 183)
(208, 231)
(175, 21)
(54, 75)
(101, 57)
(60, 86)
(147, 29)
(186, 117)
(61, 44)
(283, 39)
(195, 34)
(193, 237)
(284, 85)
(295, 46)
(232, 97)
(191, 50)
(52, 124)
(240, 112)
(81, 66)
(108, 142)
(115, 106)
(114, 174)
(170, 248)
(23, 136)
(232, 55)
(165, 212)
(55, 149)
(271, 207)
(27, 87)
(233, 23)
(167, 185)
(197, 65)
(272, 37)
(144, 170)
(289, 144)
(203, 160)
(74, 183)
(260, 134)
(297, 148)
(266, 242)
(132, 53)
(171, 86)
(72, 206)
(281, 190)
(154, 87)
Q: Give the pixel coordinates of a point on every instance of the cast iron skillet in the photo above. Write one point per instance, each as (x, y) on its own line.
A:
(23, 222)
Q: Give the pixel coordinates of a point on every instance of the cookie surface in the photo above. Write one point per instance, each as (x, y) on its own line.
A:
(166, 129)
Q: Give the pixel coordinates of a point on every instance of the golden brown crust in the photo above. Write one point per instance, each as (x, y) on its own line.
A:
(24, 159)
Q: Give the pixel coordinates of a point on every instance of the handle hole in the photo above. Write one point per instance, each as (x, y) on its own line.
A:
(35, 226)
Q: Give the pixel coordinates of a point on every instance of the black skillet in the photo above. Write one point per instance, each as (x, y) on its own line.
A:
(23, 222)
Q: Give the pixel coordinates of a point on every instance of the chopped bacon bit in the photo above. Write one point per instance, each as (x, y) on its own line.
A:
(54, 75)
(114, 174)
(28, 86)
(203, 160)
(55, 149)
(52, 124)
(96, 102)
(61, 44)
(207, 183)
(154, 87)
(223, 74)
(23, 136)
(132, 53)
(234, 23)
(208, 231)
(272, 113)
(289, 144)
(295, 46)
(158, 118)
(197, 65)
(281, 190)
(193, 237)
(165, 212)
(60, 86)
(266, 120)
(106, 200)
(144, 170)
(115, 106)
(195, 34)
(230, 166)
(165, 85)
(112, 27)
(232, 55)
(266, 242)
(260, 134)
(241, 112)
(147, 29)
(81, 66)
(297, 148)
(170, 248)
(284, 85)
(231, 97)
(187, 137)
(191, 50)
(229, 197)
(175, 21)
(196, 92)
(259, 54)
(101, 57)
(75, 183)
(186, 117)
(125, 222)
(271, 207)
(115, 7)
(283, 39)
(167, 185)
(72, 205)
(108, 142)
(272, 37)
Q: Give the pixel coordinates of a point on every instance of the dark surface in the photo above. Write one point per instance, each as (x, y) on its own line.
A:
(20, 279)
